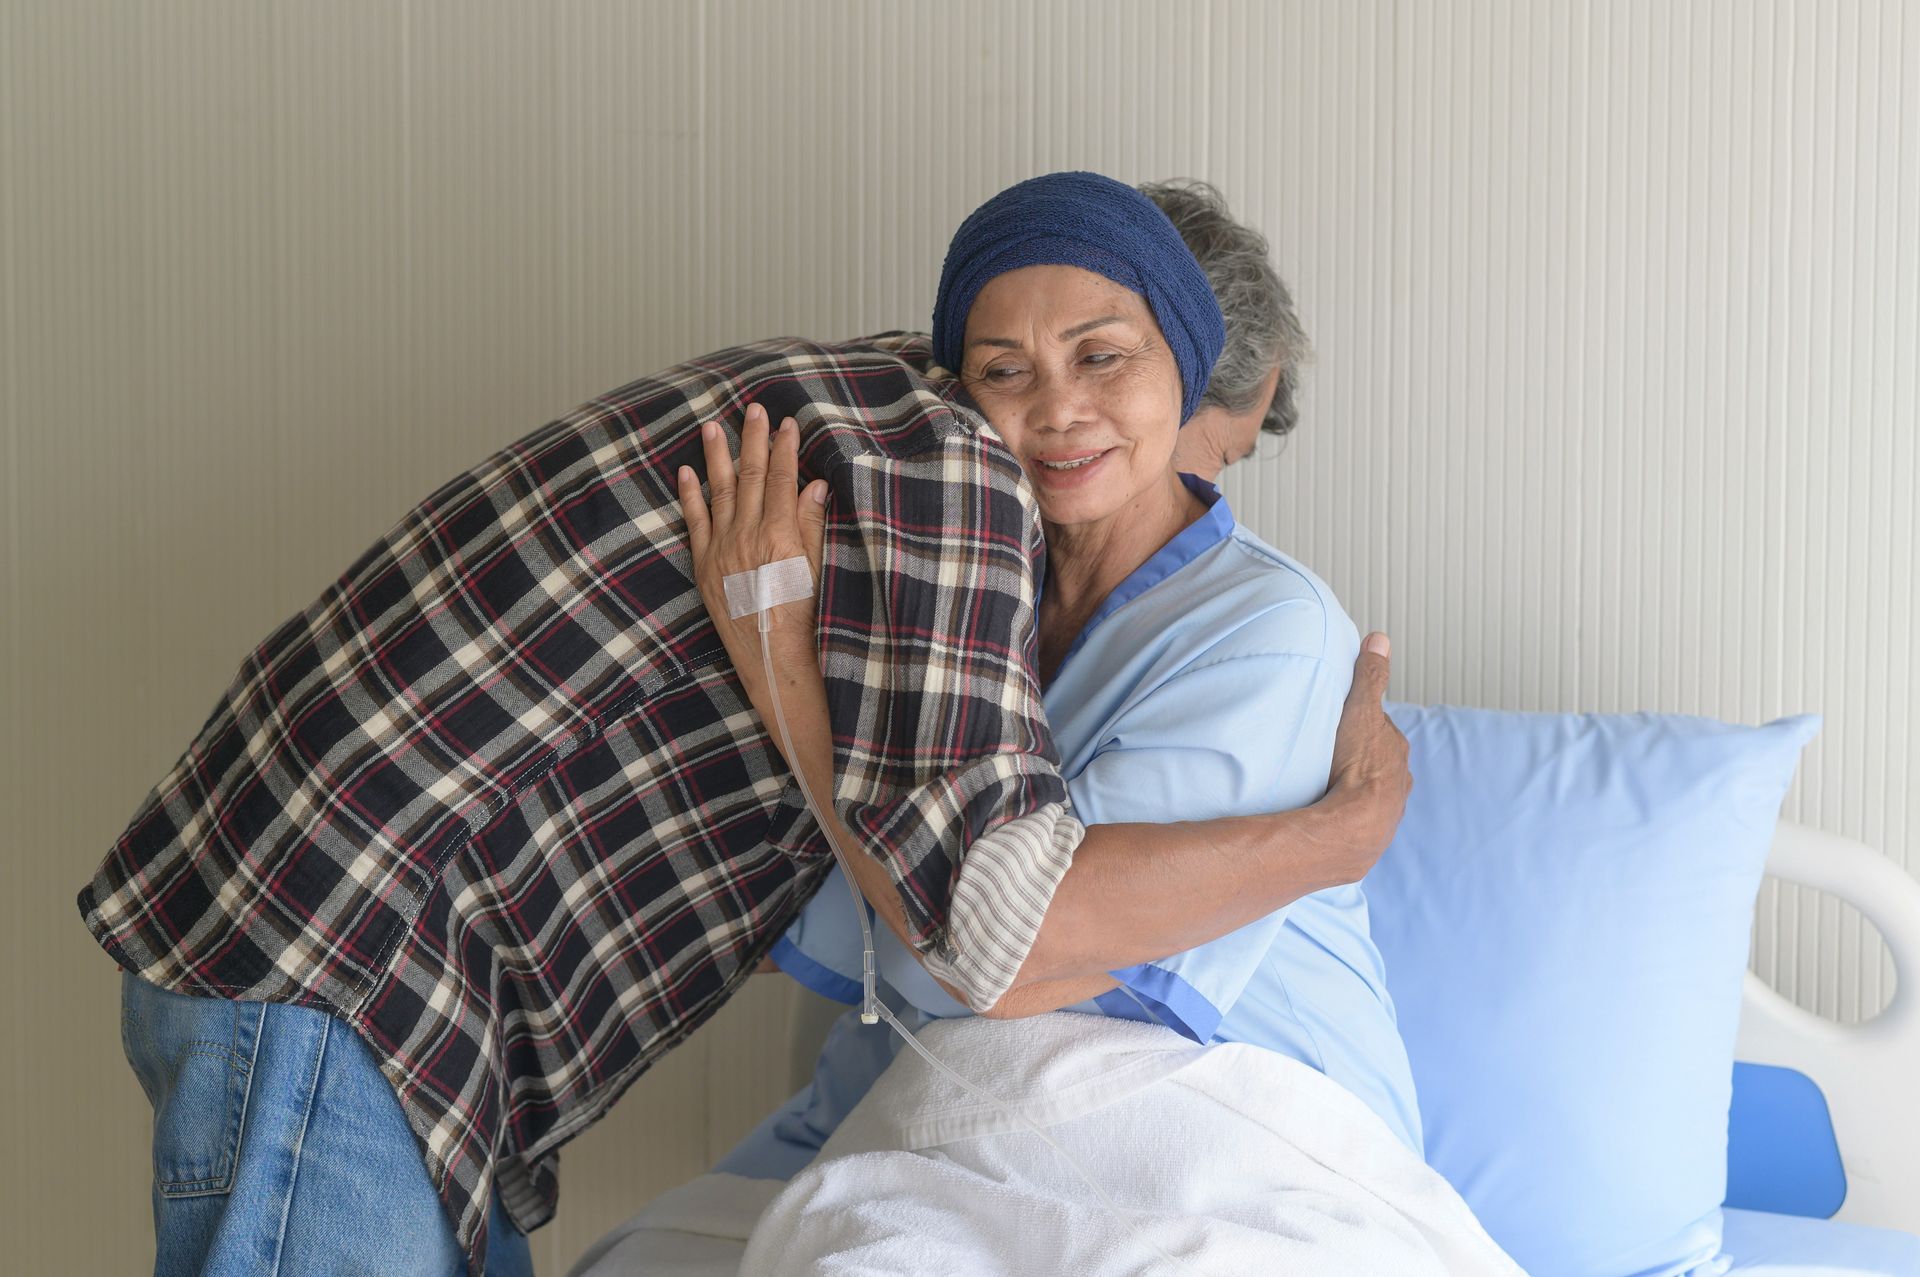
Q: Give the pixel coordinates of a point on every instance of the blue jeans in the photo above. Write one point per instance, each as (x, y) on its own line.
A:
(280, 1148)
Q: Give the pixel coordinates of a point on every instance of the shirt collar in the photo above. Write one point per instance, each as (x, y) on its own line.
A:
(1205, 532)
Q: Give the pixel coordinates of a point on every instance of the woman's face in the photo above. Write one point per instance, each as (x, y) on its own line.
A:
(1072, 371)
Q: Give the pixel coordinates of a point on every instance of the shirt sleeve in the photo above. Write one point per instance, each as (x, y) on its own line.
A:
(945, 771)
(1244, 735)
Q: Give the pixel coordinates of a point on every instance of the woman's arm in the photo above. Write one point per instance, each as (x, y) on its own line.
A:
(1115, 906)
(1112, 907)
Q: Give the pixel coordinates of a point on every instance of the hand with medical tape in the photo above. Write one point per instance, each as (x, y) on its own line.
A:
(757, 516)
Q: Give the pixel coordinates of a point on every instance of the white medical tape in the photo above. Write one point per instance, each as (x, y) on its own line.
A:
(769, 586)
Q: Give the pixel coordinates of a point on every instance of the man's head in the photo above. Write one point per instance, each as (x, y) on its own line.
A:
(1252, 387)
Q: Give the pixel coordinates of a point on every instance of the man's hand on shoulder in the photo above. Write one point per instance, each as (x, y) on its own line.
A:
(1370, 781)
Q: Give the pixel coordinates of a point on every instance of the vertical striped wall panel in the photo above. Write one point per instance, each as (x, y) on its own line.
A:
(1616, 308)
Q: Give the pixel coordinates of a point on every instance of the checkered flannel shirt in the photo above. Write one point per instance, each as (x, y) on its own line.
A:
(498, 800)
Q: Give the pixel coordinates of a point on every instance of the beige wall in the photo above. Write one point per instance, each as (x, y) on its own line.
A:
(1617, 308)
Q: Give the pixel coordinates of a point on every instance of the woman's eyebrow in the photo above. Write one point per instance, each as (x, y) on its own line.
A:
(1090, 325)
(1075, 331)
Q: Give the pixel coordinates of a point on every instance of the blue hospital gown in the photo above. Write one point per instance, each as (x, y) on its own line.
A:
(1209, 683)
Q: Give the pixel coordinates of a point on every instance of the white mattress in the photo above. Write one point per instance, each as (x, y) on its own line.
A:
(1763, 1245)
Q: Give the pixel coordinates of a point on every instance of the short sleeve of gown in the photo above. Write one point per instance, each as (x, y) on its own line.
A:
(1239, 736)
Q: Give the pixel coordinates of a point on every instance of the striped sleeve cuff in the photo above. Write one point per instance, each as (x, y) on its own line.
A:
(1005, 883)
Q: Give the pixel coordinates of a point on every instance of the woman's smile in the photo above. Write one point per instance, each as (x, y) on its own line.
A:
(1067, 469)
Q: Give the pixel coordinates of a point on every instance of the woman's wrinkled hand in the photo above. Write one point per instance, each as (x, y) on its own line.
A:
(755, 514)
(1370, 780)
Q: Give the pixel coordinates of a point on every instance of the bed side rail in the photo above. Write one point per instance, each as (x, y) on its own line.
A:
(1869, 1072)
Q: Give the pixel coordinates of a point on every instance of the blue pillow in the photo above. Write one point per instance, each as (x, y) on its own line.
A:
(1564, 916)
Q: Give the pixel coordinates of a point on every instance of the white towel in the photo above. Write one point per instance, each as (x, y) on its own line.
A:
(1232, 1159)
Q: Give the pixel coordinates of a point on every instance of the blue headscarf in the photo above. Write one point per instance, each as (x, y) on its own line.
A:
(1097, 224)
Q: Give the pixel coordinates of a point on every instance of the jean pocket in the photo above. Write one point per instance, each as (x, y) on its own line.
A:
(194, 1057)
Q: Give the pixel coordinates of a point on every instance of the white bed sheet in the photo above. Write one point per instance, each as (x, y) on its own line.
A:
(699, 1229)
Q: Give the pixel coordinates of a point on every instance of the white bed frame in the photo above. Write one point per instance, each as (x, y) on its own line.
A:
(1869, 1072)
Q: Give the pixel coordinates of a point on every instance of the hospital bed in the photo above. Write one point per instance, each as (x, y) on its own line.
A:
(1824, 1134)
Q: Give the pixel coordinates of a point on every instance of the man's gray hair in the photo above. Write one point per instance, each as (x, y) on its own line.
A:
(1262, 329)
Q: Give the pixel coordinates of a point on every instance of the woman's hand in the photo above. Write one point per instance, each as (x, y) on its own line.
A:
(757, 516)
(1370, 780)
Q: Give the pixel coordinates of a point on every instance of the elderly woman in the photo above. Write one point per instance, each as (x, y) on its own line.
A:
(1191, 670)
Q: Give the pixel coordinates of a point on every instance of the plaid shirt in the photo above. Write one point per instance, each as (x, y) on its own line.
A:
(497, 798)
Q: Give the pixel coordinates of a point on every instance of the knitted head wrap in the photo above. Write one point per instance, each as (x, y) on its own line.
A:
(1097, 224)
